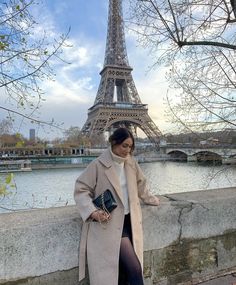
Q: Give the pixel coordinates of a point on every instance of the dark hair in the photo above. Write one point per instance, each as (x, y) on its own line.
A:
(120, 135)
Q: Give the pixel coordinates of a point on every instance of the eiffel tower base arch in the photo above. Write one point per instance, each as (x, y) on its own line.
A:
(105, 118)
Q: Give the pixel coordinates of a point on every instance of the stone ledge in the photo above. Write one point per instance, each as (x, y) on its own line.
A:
(197, 227)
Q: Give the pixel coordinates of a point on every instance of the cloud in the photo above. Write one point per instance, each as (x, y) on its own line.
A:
(74, 82)
(44, 22)
(61, 92)
(74, 88)
(152, 91)
(79, 53)
(151, 83)
(77, 57)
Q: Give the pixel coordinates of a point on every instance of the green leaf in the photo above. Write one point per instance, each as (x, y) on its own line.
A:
(9, 178)
(2, 45)
(20, 144)
(3, 190)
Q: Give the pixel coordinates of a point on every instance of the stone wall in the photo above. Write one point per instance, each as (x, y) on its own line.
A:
(190, 237)
(194, 237)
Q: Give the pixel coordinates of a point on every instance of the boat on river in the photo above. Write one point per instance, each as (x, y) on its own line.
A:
(22, 165)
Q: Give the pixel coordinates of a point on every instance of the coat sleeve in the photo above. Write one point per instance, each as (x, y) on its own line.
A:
(84, 191)
(143, 190)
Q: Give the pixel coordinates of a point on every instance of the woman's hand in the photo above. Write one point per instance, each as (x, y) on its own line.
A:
(157, 202)
(100, 216)
(153, 201)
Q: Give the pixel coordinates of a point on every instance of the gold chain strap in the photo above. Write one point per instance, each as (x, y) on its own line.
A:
(103, 204)
(105, 210)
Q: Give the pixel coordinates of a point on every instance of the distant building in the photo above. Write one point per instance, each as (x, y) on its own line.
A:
(32, 134)
(209, 141)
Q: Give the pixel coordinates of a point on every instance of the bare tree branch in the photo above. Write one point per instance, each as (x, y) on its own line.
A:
(29, 117)
(206, 43)
(196, 40)
(25, 59)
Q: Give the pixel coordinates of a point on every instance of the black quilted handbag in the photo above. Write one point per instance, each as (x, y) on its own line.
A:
(105, 201)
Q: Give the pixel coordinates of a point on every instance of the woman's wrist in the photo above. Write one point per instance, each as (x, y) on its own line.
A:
(100, 216)
(93, 216)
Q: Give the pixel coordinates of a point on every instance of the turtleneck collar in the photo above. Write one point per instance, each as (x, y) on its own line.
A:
(117, 158)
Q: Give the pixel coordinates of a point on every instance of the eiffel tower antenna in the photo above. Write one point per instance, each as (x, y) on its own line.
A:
(117, 103)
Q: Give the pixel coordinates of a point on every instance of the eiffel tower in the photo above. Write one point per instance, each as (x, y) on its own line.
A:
(117, 103)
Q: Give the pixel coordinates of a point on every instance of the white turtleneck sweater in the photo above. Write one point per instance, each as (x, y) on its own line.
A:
(119, 163)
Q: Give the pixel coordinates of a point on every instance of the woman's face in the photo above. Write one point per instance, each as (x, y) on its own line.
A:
(123, 149)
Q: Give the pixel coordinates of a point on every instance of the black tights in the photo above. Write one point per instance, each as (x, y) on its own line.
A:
(130, 271)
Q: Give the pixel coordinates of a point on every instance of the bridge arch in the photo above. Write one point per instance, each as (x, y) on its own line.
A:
(178, 155)
(208, 156)
(134, 121)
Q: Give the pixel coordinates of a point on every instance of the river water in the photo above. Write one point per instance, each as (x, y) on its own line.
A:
(53, 188)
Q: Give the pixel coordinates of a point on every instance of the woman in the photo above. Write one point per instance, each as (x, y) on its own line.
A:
(113, 243)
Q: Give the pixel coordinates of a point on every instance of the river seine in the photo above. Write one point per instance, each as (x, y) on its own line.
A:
(53, 188)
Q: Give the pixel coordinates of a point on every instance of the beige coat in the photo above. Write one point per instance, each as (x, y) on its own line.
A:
(101, 244)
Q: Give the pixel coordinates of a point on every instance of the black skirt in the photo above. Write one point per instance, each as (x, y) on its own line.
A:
(127, 232)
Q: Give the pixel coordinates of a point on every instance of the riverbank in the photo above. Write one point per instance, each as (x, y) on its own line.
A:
(44, 162)
(58, 162)
(32, 162)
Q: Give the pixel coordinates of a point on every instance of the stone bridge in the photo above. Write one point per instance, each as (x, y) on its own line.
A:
(223, 154)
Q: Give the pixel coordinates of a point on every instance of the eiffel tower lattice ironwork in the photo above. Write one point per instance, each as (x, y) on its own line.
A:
(117, 102)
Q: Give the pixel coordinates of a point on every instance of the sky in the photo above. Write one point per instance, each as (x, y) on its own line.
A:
(75, 85)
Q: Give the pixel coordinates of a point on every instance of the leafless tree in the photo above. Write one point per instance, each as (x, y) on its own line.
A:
(25, 57)
(196, 39)
(5, 127)
(73, 136)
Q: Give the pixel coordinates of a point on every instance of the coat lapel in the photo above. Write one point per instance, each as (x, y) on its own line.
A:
(110, 172)
(130, 177)
(113, 178)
